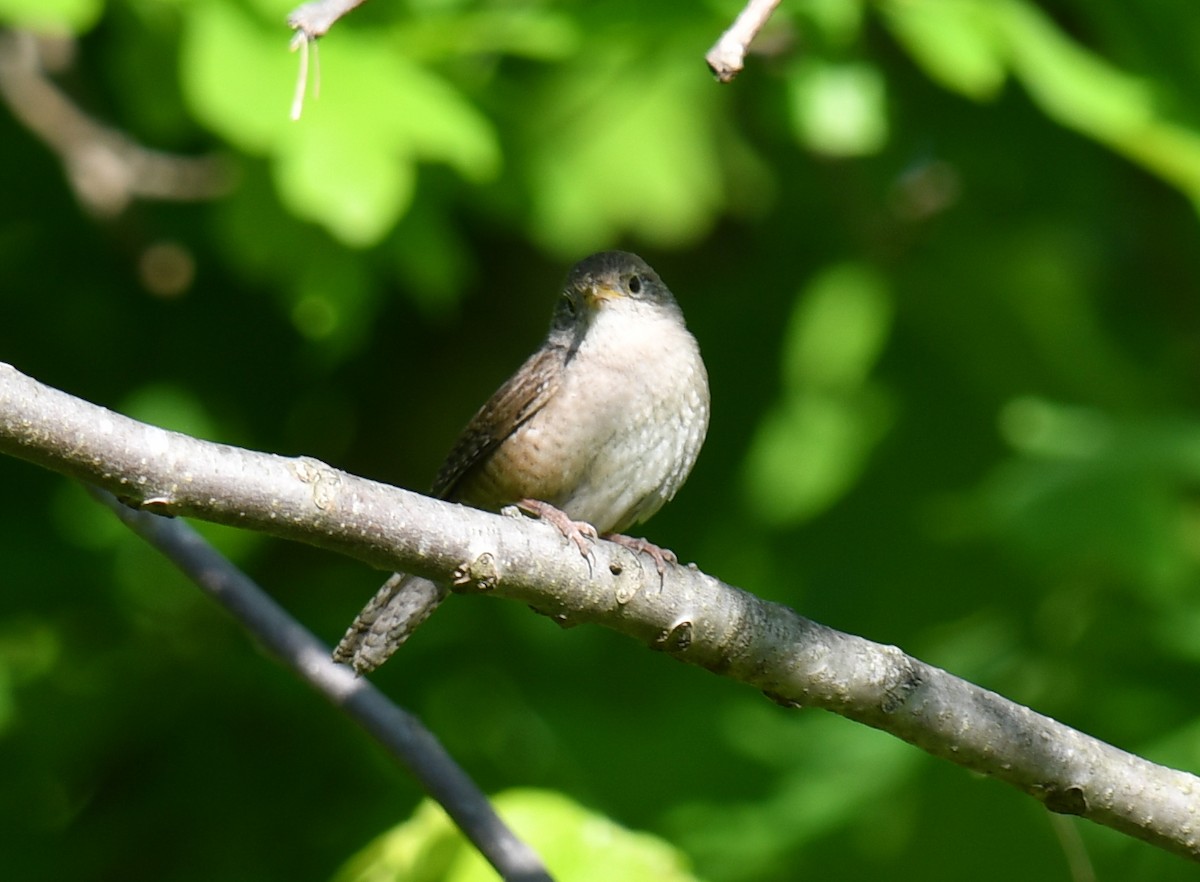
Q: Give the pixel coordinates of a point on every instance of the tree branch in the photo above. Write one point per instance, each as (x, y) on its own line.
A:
(312, 20)
(105, 167)
(693, 616)
(398, 731)
(727, 57)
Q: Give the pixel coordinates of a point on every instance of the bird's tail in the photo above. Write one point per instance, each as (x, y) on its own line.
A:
(396, 610)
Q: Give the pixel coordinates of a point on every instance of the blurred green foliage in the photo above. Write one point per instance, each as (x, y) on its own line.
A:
(942, 260)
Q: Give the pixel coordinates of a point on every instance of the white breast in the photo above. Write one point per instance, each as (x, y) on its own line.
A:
(637, 393)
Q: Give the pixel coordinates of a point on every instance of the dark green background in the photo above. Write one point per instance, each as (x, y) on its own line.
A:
(1013, 463)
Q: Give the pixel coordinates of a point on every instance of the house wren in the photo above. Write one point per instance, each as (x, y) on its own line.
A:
(598, 429)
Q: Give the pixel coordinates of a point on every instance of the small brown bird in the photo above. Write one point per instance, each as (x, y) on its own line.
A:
(597, 430)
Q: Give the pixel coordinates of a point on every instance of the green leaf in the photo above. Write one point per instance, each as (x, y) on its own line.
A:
(839, 109)
(970, 45)
(1072, 84)
(809, 450)
(626, 148)
(236, 76)
(838, 328)
(350, 162)
(812, 446)
(329, 179)
(577, 846)
(1083, 91)
(956, 41)
(72, 16)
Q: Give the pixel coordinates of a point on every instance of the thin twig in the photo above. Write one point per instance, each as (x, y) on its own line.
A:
(399, 732)
(105, 167)
(727, 57)
(310, 21)
(316, 18)
(302, 41)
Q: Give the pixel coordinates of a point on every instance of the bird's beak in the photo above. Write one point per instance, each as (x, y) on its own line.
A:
(596, 293)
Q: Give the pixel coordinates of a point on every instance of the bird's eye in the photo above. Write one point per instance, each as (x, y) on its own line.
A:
(635, 284)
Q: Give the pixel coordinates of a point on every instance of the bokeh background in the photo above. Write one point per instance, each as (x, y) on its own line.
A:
(942, 257)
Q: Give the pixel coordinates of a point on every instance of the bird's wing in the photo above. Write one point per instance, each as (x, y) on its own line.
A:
(523, 395)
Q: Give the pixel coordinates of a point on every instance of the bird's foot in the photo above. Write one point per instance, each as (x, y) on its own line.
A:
(662, 556)
(580, 532)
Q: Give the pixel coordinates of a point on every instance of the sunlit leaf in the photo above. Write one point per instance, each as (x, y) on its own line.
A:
(808, 452)
(1086, 92)
(622, 150)
(813, 445)
(349, 163)
(326, 177)
(839, 109)
(970, 46)
(1076, 86)
(577, 846)
(72, 16)
(235, 76)
(838, 328)
(956, 41)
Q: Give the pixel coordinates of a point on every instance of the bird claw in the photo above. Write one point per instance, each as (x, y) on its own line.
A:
(579, 532)
(582, 533)
(661, 556)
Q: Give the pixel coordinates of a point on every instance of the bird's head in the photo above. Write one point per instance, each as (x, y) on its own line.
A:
(610, 280)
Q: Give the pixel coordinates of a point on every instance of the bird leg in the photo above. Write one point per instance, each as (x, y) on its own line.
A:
(580, 532)
(662, 556)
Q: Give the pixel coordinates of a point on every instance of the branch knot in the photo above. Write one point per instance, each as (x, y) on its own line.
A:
(323, 478)
(482, 572)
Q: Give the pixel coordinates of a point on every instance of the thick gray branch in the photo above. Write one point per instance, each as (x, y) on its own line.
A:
(694, 617)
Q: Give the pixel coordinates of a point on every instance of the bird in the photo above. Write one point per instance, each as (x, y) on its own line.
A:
(594, 433)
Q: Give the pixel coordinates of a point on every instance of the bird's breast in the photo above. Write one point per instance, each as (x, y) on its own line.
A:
(621, 433)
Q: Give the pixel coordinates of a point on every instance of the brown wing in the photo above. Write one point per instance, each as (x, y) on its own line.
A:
(522, 395)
